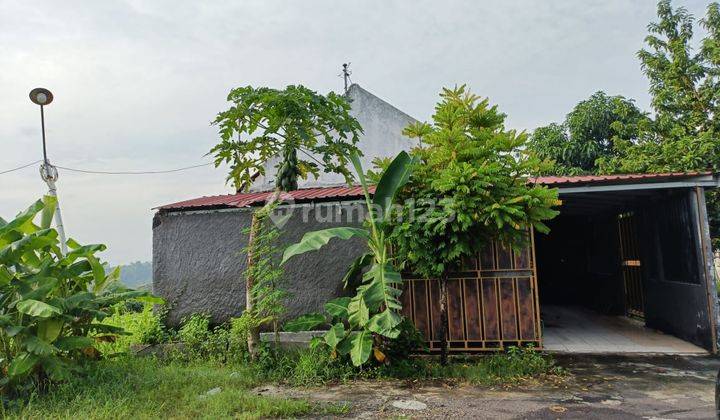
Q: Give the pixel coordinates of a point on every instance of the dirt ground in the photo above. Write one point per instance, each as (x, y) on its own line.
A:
(598, 387)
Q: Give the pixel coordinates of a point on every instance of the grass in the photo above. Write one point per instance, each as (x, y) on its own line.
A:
(177, 386)
(144, 387)
(147, 388)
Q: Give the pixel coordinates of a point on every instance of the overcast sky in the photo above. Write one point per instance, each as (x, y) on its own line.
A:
(137, 82)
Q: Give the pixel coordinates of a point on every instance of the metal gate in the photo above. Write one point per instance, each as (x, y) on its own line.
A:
(630, 265)
(492, 302)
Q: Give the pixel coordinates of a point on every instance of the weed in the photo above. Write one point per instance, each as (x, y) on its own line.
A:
(130, 387)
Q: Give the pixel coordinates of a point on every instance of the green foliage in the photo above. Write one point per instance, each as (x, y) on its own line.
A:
(373, 312)
(52, 306)
(685, 89)
(409, 342)
(305, 322)
(263, 123)
(469, 187)
(514, 365)
(147, 388)
(588, 133)
(142, 327)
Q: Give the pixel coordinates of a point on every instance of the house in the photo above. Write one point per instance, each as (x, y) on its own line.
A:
(627, 266)
(197, 261)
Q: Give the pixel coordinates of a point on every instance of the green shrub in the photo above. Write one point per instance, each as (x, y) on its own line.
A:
(142, 327)
(514, 364)
(220, 343)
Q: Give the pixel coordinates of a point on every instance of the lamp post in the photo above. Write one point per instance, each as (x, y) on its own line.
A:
(49, 173)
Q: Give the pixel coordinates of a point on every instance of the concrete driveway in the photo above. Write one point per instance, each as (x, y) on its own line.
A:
(601, 387)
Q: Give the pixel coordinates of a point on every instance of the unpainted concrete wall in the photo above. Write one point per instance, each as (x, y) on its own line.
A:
(199, 267)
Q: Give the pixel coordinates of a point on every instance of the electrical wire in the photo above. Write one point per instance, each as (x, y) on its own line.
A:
(20, 167)
(87, 171)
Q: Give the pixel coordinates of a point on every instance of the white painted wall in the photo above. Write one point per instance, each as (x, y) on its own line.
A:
(382, 125)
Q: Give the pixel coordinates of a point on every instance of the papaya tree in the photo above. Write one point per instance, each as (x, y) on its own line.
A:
(470, 186)
(375, 308)
(263, 124)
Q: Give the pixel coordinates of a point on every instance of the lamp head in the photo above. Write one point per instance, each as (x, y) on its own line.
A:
(41, 96)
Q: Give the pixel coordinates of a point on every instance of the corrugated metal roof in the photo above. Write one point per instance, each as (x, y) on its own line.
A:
(556, 181)
(328, 193)
(257, 198)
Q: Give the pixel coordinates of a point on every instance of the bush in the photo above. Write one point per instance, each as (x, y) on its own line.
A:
(143, 326)
(52, 306)
(515, 364)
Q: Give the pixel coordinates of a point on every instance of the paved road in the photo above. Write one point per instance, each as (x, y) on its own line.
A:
(604, 387)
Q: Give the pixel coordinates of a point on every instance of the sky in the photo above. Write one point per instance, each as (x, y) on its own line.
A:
(136, 82)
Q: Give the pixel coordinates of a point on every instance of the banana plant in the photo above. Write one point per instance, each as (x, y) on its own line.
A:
(51, 305)
(375, 307)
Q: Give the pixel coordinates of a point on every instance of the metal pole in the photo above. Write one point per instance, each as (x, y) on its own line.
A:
(42, 124)
(49, 174)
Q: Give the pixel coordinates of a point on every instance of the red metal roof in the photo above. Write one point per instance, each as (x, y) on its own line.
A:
(327, 193)
(257, 198)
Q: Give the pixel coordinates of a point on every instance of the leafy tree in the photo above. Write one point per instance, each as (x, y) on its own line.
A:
(373, 312)
(263, 123)
(685, 89)
(588, 133)
(469, 186)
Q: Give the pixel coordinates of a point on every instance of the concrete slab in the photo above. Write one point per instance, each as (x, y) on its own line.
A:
(580, 330)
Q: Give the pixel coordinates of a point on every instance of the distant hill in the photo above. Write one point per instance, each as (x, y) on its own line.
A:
(136, 274)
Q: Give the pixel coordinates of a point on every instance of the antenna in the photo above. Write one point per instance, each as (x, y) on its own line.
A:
(48, 172)
(346, 72)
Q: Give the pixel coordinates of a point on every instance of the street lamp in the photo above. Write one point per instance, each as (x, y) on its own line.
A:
(49, 173)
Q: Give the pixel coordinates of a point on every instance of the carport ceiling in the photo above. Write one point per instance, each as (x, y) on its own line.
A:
(594, 195)
(610, 202)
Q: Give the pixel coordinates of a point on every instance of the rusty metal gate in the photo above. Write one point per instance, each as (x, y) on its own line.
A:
(492, 302)
(630, 264)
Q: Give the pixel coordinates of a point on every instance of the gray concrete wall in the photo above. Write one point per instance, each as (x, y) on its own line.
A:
(198, 266)
(382, 136)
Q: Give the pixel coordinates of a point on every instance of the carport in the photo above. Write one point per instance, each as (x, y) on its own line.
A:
(627, 266)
